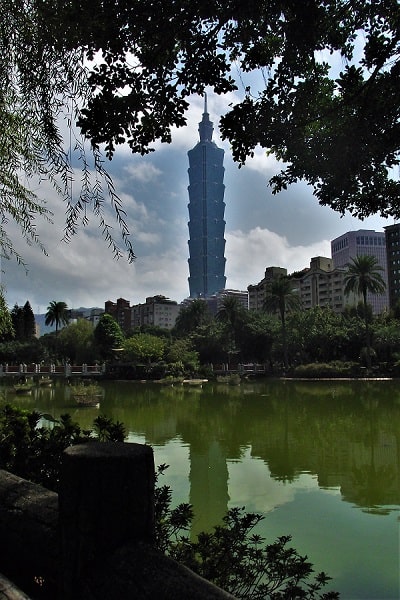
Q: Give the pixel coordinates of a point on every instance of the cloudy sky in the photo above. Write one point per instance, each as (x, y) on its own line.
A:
(262, 230)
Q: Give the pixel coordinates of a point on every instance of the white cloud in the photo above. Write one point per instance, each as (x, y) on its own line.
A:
(131, 206)
(84, 272)
(263, 163)
(143, 171)
(248, 254)
(148, 238)
(266, 493)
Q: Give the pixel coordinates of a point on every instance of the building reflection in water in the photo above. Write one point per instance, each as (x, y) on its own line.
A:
(347, 434)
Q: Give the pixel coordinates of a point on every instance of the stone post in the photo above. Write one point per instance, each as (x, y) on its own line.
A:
(106, 499)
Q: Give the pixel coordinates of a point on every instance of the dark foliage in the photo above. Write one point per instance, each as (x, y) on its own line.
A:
(236, 558)
(33, 451)
(32, 351)
(23, 321)
(338, 131)
(108, 336)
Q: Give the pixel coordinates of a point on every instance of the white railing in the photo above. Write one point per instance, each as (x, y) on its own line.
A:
(52, 369)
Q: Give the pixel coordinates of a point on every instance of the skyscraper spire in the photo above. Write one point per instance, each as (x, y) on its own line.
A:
(206, 127)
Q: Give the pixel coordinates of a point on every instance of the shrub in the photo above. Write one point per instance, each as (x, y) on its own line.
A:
(333, 369)
(34, 452)
(234, 557)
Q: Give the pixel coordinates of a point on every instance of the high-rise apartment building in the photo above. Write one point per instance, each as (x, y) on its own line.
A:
(322, 284)
(258, 291)
(206, 214)
(216, 301)
(392, 236)
(120, 311)
(158, 310)
(359, 243)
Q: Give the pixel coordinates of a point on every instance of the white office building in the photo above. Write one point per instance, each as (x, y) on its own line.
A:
(359, 243)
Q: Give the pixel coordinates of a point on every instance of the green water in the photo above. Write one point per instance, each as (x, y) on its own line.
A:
(321, 461)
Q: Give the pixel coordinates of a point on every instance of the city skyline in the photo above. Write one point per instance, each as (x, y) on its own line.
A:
(261, 229)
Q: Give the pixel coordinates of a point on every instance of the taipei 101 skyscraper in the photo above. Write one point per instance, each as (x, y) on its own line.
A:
(206, 214)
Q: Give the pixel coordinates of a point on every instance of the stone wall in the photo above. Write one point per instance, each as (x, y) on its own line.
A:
(93, 541)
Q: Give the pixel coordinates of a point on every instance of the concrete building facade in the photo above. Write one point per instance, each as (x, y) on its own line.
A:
(322, 285)
(206, 214)
(215, 302)
(158, 311)
(120, 311)
(359, 243)
(392, 238)
(257, 292)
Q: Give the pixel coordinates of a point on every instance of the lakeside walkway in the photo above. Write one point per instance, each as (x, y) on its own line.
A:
(51, 370)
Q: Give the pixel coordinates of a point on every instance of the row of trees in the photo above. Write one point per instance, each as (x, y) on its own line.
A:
(282, 333)
(233, 335)
(315, 335)
(19, 324)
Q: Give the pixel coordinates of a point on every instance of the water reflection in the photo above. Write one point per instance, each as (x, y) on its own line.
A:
(345, 433)
(320, 459)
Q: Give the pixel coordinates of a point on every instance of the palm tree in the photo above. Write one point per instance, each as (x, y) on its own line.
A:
(230, 311)
(231, 314)
(57, 313)
(364, 276)
(281, 297)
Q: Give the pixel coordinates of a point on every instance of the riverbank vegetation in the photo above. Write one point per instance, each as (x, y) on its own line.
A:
(336, 344)
(233, 555)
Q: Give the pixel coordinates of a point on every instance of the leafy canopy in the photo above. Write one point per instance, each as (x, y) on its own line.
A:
(364, 276)
(43, 85)
(23, 321)
(144, 347)
(281, 297)
(338, 131)
(108, 336)
(111, 68)
(193, 314)
(76, 342)
(6, 322)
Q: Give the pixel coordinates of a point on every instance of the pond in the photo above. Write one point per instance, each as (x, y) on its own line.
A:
(320, 460)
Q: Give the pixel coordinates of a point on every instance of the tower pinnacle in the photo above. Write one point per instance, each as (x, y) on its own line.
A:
(206, 127)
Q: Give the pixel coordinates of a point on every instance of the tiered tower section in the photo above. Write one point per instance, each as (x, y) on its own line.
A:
(206, 214)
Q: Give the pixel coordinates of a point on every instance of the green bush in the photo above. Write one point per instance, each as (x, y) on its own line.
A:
(176, 369)
(333, 369)
(234, 557)
(395, 371)
(34, 452)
